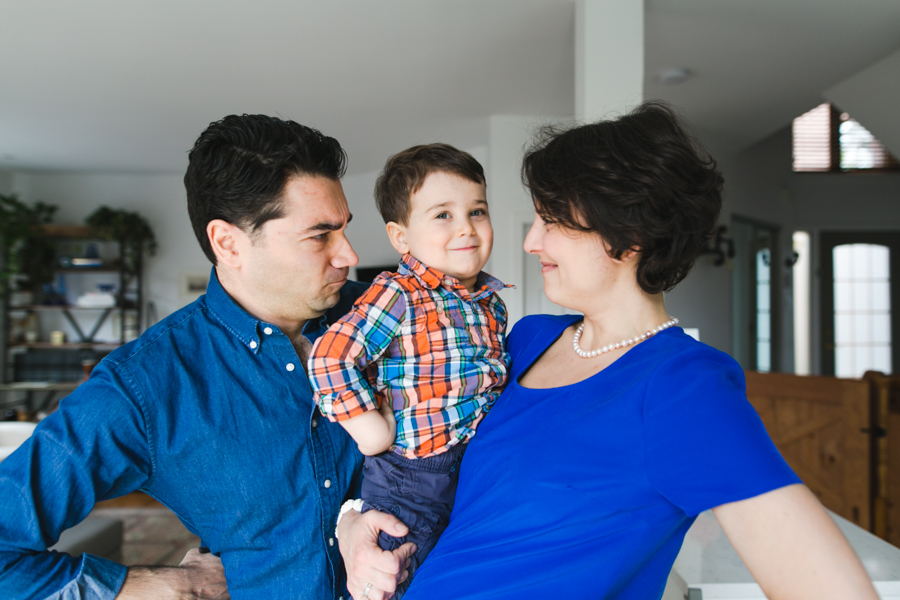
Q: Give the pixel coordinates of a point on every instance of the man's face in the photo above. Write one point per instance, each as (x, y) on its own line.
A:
(292, 268)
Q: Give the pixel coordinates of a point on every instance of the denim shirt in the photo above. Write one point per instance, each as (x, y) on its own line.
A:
(210, 412)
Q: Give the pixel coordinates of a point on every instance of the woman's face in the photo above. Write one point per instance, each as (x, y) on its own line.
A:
(577, 270)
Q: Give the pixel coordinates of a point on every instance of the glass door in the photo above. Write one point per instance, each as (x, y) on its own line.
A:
(859, 302)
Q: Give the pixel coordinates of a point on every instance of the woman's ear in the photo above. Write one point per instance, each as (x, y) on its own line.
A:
(397, 235)
(633, 253)
(225, 241)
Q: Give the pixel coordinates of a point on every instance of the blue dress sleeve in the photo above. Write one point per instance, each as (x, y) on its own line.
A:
(705, 444)
(93, 448)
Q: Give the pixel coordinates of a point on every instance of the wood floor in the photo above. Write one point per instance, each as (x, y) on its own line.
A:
(153, 534)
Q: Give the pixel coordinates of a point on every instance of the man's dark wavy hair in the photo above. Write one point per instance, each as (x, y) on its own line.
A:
(640, 181)
(239, 166)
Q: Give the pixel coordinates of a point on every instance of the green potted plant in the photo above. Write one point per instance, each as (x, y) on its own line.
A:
(27, 255)
(128, 228)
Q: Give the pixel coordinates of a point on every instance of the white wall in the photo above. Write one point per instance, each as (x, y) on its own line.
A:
(158, 197)
(871, 97)
(161, 199)
(759, 184)
(6, 179)
(762, 185)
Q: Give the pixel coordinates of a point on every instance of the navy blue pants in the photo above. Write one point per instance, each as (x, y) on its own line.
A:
(419, 492)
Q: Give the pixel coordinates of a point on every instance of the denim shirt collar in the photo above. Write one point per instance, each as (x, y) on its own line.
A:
(485, 284)
(245, 326)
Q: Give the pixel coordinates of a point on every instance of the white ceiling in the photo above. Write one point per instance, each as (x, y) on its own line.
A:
(127, 86)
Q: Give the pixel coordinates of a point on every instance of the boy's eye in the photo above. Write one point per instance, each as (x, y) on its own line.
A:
(478, 212)
(442, 215)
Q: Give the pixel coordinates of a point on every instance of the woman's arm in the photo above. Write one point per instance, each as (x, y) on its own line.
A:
(793, 548)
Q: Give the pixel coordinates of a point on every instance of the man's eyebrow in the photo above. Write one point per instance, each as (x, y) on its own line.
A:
(326, 226)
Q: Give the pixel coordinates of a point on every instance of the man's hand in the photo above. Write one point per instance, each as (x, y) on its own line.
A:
(365, 561)
(206, 575)
(197, 577)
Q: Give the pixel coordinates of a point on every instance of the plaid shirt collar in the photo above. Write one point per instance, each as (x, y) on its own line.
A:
(431, 278)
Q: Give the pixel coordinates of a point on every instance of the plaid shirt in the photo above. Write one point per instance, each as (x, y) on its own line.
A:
(419, 339)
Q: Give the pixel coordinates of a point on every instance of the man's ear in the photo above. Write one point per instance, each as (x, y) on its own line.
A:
(397, 235)
(225, 240)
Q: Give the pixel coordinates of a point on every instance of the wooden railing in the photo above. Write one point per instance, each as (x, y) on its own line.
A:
(842, 438)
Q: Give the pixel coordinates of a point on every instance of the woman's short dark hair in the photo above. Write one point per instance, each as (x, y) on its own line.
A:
(238, 169)
(405, 173)
(639, 181)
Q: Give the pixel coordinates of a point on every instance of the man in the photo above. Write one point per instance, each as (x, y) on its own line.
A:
(210, 410)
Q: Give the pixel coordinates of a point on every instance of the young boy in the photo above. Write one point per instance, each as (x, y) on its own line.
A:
(412, 369)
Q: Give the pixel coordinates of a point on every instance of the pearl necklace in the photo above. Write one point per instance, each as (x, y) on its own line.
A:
(592, 353)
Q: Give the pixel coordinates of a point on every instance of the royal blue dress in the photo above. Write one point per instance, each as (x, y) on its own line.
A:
(587, 490)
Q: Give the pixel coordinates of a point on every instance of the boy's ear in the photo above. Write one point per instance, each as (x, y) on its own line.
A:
(397, 235)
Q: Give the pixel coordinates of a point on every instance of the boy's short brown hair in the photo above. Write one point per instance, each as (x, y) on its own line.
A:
(405, 172)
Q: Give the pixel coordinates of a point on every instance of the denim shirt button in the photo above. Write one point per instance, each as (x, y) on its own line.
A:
(327, 483)
(315, 423)
(331, 541)
(290, 366)
(267, 331)
(253, 345)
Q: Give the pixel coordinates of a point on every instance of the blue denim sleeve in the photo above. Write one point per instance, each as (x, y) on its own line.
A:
(93, 448)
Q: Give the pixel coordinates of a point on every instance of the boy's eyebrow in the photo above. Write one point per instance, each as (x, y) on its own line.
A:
(326, 226)
(450, 203)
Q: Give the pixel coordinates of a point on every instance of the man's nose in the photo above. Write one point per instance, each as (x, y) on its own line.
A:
(345, 256)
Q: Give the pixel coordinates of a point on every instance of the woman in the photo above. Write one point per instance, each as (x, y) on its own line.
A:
(616, 429)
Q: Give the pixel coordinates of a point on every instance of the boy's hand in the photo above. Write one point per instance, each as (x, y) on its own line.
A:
(365, 561)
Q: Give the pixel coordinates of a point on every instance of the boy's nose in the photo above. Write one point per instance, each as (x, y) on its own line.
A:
(466, 228)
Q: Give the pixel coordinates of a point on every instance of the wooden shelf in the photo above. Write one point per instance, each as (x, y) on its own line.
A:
(39, 386)
(67, 345)
(100, 269)
(50, 307)
(82, 323)
(70, 231)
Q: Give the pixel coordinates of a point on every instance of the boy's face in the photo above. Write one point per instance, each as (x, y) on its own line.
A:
(449, 227)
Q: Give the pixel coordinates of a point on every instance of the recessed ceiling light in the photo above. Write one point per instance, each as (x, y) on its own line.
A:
(674, 76)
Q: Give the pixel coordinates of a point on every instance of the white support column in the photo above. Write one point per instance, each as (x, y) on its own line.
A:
(609, 57)
(510, 205)
(609, 75)
(512, 214)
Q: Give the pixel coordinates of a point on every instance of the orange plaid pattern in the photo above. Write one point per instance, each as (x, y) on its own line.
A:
(419, 340)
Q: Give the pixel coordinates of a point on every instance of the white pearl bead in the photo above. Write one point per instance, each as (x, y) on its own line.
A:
(623, 344)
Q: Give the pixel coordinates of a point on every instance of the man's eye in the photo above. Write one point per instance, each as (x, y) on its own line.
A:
(319, 238)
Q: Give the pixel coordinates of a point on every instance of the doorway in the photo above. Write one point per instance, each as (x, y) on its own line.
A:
(755, 287)
(860, 272)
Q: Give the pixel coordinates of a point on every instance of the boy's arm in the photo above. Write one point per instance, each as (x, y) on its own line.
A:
(340, 359)
(374, 430)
